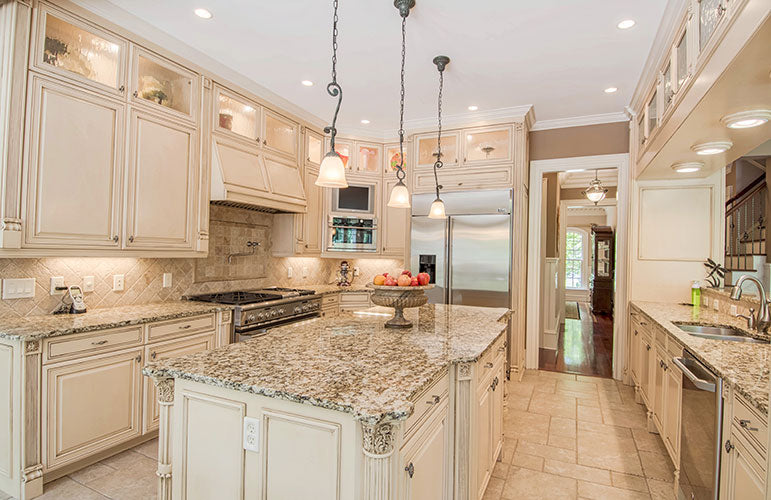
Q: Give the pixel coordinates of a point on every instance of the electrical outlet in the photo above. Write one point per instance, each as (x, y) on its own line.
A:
(57, 281)
(715, 304)
(734, 311)
(356, 271)
(305, 271)
(705, 300)
(166, 280)
(252, 434)
(19, 288)
(88, 284)
(288, 272)
(118, 282)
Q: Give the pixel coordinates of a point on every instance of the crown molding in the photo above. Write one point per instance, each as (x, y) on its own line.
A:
(580, 121)
(524, 114)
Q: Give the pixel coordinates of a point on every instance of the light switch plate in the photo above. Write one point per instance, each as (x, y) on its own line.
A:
(88, 284)
(715, 304)
(166, 280)
(289, 272)
(118, 282)
(57, 281)
(305, 271)
(18, 288)
(252, 434)
(734, 311)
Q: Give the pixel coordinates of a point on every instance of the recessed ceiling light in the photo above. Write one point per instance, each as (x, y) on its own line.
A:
(711, 148)
(307, 83)
(687, 167)
(203, 13)
(365, 122)
(610, 90)
(747, 119)
(626, 24)
(473, 108)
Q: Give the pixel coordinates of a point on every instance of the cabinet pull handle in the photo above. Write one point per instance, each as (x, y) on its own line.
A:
(115, 238)
(746, 425)
(635, 333)
(434, 400)
(136, 94)
(647, 348)
(488, 365)
(185, 327)
(502, 348)
(121, 88)
(153, 355)
(643, 323)
(410, 469)
(264, 142)
(729, 446)
(131, 239)
(138, 359)
(101, 342)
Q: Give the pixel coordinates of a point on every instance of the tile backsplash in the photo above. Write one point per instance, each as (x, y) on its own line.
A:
(230, 228)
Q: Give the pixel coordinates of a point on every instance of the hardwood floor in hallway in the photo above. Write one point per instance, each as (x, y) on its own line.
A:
(584, 347)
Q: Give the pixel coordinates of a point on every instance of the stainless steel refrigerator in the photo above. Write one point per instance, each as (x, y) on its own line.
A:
(468, 254)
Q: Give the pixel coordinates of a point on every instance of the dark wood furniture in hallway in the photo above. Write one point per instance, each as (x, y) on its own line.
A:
(584, 346)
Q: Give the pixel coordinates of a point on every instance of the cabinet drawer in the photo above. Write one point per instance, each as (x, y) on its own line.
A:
(354, 298)
(751, 425)
(427, 400)
(177, 327)
(330, 299)
(458, 180)
(61, 348)
(491, 357)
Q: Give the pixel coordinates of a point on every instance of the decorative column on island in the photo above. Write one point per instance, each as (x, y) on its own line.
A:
(165, 388)
(378, 447)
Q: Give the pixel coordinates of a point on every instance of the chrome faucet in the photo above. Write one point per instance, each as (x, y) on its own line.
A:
(763, 320)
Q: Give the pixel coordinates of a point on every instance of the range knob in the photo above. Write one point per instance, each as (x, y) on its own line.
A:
(250, 318)
(298, 310)
(281, 311)
(306, 308)
(273, 313)
(261, 316)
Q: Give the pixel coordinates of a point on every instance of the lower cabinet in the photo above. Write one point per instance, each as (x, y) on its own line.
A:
(91, 404)
(483, 438)
(489, 418)
(354, 301)
(745, 472)
(425, 455)
(658, 376)
(647, 361)
(673, 390)
(164, 350)
(330, 304)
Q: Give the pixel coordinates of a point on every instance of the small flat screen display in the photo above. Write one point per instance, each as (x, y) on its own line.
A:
(353, 198)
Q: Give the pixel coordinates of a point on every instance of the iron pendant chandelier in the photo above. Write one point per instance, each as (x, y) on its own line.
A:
(332, 170)
(596, 191)
(400, 196)
(437, 207)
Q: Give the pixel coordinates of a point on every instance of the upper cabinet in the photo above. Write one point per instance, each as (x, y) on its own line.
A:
(362, 159)
(710, 13)
(426, 146)
(163, 85)
(280, 134)
(392, 158)
(71, 48)
(368, 158)
(486, 146)
(314, 148)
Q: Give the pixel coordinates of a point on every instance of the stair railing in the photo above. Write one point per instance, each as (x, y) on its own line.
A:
(745, 230)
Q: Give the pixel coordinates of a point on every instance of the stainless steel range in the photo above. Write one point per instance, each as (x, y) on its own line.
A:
(257, 311)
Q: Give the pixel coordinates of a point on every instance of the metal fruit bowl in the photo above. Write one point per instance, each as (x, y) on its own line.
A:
(400, 298)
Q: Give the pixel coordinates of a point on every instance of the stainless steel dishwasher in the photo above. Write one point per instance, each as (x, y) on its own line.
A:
(701, 431)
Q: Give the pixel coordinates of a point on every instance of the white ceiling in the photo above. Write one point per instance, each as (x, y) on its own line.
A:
(581, 179)
(554, 54)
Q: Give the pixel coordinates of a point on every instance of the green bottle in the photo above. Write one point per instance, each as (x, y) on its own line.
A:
(696, 293)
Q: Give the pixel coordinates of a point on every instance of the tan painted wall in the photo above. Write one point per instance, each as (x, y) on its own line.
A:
(589, 140)
(552, 214)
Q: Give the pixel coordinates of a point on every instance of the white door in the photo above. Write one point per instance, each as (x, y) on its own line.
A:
(162, 179)
(75, 165)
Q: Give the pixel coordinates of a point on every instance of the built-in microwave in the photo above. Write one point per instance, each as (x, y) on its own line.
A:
(356, 198)
(352, 234)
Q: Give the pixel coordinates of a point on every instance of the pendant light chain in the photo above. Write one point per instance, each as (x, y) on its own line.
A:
(400, 175)
(333, 88)
(438, 163)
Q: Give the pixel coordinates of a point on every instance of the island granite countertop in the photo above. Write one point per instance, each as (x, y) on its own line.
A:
(51, 325)
(743, 365)
(349, 363)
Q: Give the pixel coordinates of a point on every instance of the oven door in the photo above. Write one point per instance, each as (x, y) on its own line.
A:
(242, 333)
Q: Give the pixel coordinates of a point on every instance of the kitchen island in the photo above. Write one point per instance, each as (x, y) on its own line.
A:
(338, 408)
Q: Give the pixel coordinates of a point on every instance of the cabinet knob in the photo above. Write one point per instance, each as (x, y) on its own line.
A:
(101, 342)
(131, 239)
(635, 333)
(434, 400)
(410, 469)
(264, 142)
(138, 359)
(728, 447)
(153, 355)
(136, 94)
(746, 425)
(488, 365)
(115, 238)
(647, 348)
(121, 88)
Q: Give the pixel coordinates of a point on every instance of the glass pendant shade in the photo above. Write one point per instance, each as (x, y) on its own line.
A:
(332, 172)
(400, 196)
(595, 192)
(437, 210)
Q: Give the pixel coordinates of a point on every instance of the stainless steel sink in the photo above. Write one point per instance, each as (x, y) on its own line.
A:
(718, 333)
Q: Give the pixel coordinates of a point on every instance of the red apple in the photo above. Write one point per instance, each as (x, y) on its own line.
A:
(414, 281)
(407, 272)
(423, 278)
(404, 280)
(390, 281)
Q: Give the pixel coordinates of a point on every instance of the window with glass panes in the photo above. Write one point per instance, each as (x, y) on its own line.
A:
(575, 245)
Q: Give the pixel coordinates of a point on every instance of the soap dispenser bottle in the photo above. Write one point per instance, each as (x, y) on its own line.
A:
(696, 293)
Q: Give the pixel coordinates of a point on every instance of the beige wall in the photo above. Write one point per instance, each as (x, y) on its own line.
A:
(602, 139)
(144, 277)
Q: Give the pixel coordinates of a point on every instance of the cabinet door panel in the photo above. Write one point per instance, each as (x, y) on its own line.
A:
(658, 391)
(486, 146)
(483, 441)
(646, 365)
(285, 179)
(314, 147)
(394, 225)
(369, 159)
(427, 452)
(74, 167)
(236, 115)
(163, 85)
(280, 134)
(674, 386)
(313, 219)
(496, 433)
(161, 180)
(746, 481)
(90, 405)
(157, 352)
(427, 149)
(392, 158)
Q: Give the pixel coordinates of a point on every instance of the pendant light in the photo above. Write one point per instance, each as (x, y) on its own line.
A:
(437, 207)
(400, 196)
(596, 191)
(332, 170)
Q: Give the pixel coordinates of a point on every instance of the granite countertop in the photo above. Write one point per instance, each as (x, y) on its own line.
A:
(349, 363)
(743, 365)
(51, 325)
(327, 289)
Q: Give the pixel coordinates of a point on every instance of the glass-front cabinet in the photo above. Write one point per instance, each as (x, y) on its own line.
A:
(681, 60)
(392, 158)
(427, 149)
(314, 147)
(487, 145)
(280, 134)
(653, 120)
(344, 149)
(76, 50)
(669, 91)
(710, 13)
(162, 84)
(368, 158)
(236, 115)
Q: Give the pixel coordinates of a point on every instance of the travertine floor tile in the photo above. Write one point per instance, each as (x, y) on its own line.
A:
(501, 470)
(560, 426)
(629, 482)
(602, 492)
(148, 449)
(538, 485)
(565, 408)
(67, 489)
(494, 489)
(661, 490)
(569, 443)
(604, 429)
(648, 441)
(527, 462)
(556, 375)
(133, 482)
(546, 451)
(588, 414)
(631, 419)
(657, 466)
(91, 473)
(574, 385)
(575, 471)
(607, 451)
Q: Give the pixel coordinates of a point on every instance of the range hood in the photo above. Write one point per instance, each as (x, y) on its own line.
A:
(242, 177)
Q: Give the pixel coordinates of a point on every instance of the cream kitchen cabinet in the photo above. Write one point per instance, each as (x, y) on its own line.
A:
(425, 457)
(647, 366)
(658, 379)
(90, 404)
(673, 390)
(68, 47)
(164, 86)
(462, 180)
(236, 116)
(280, 134)
(330, 304)
(426, 149)
(484, 415)
(487, 146)
(745, 471)
(394, 224)
(162, 178)
(163, 350)
(301, 234)
(391, 157)
(634, 351)
(314, 149)
(73, 199)
(361, 159)
(354, 301)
